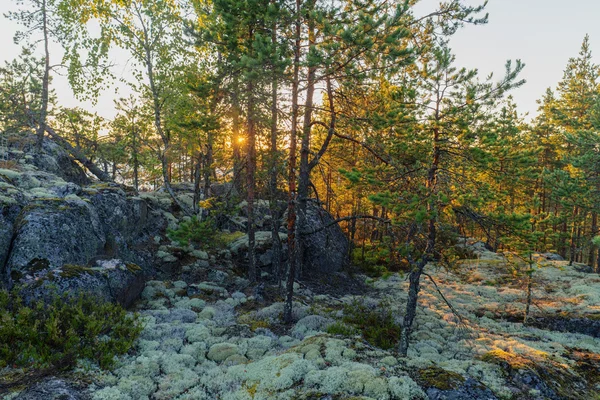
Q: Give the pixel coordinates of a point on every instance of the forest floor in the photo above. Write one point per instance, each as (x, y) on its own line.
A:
(212, 341)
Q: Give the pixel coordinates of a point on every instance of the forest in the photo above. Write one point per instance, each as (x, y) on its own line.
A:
(324, 171)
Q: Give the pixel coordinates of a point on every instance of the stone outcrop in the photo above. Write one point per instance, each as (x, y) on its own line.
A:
(326, 250)
(52, 226)
(325, 246)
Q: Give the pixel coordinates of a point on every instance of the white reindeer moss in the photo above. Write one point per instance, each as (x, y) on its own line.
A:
(196, 349)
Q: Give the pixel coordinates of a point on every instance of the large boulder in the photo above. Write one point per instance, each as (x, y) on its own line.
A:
(49, 233)
(325, 246)
(263, 247)
(53, 389)
(108, 280)
(325, 250)
(50, 221)
(52, 159)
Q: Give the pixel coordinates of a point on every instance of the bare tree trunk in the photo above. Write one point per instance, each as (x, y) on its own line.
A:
(529, 289)
(573, 242)
(593, 231)
(304, 175)
(136, 161)
(276, 248)
(250, 179)
(291, 218)
(166, 138)
(197, 179)
(428, 254)
(79, 156)
(236, 141)
(45, 82)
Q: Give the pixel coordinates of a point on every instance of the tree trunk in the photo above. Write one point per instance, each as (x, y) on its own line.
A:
(428, 254)
(156, 108)
(250, 178)
(304, 175)
(45, 82)
(236, 141)
(197, 179)
(276, 248)
(593, 231)
(136, 161)
(291, 218)
(573, 243)
(79, 156)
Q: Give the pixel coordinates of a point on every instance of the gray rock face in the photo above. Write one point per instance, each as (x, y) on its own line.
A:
(109, 280)
(7, 216)
(325, 251)
(52, 159)
(552, 256)
(469, 390)
(53, 389)
(55, 232)
(49, 223)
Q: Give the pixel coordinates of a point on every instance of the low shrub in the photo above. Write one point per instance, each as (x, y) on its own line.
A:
(376, 325)
(194, 231)
(339, 328)
(57, 334)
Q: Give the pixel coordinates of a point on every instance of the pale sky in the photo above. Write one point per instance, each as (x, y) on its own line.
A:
(542, 33)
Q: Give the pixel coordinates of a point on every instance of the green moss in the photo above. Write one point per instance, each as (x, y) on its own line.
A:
(501, 357)
(72, 271)
(57, 334)
(254, 323)
(435, 377)
(133, 268)
(16, 275)
(38, 264)
(226, 238)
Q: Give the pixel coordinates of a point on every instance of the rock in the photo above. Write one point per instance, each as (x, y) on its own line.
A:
(475, 249)
(53, 389)
(221, 351)
(235, 359)
(325, 251)
(112, 281)
(222, 189)
(583, 268)
(389, 361)
(8, 214)
(310, 325)
(199, 254)
(52, 159)
(263, 243)
(552, 256)
(50, 221)
(440, 384)
(51, 233)
(175, 315)
(568, 323)
(469, 390)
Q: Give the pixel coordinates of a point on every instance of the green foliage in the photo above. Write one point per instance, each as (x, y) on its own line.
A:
(55, 335)
(339, 328)
(377, 259)
(377, 326)
(194, 231)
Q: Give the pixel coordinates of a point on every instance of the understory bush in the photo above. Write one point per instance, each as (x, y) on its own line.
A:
(194, 231)
(379, 258)
(376, 325)
(57, 334)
